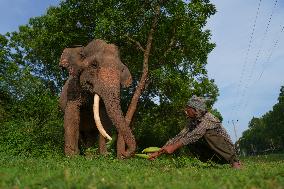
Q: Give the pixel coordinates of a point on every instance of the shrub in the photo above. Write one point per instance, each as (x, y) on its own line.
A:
(29, 138)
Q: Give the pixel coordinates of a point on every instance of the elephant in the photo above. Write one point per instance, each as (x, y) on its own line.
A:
(95, 72)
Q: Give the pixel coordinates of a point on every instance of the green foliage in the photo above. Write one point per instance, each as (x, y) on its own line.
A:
(31, 138)
(31, 78)
(178, 57)
(34, 126)
(217, 114)
(5, 100)
(266, 134)
(166, 172)
(156, 124)
(31, 123)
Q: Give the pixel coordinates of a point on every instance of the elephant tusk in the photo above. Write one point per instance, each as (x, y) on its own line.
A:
(97, 117)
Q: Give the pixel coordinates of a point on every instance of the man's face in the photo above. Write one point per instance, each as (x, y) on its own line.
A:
(190, 112)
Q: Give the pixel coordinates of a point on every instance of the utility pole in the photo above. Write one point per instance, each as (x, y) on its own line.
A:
(235, 131)
(237, 147)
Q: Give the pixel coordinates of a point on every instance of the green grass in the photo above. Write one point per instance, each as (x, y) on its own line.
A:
(166, 172)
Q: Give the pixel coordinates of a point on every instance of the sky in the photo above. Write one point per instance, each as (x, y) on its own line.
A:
(246, 46)
(246, 63)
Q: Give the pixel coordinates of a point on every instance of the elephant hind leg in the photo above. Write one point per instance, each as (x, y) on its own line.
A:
(88, 138)
(102, 145)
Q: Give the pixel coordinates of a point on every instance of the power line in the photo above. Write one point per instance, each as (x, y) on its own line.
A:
(248, 81)
(246, 56)
(276, 42)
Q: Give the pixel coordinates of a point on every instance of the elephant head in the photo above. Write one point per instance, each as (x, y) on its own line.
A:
(99, 71)
(78, 58)
(100, 54)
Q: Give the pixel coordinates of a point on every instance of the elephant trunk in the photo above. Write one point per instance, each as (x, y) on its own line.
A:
(114, 111)
(97, 117)
(118, 119)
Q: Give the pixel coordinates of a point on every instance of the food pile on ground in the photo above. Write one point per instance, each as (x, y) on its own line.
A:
(147, 151)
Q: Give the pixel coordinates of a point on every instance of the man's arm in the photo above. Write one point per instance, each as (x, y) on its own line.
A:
(183, 138)
(198, 132)
(180, 135)
(169, 149)
(172, 144)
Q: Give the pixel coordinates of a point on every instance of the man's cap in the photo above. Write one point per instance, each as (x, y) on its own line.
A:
(198, 103)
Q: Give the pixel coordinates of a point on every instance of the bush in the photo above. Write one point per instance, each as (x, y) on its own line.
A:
(29, 138)
(31, 123)
(157, 124)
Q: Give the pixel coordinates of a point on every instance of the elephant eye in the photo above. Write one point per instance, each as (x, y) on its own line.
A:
(82, 55)
(94, 64)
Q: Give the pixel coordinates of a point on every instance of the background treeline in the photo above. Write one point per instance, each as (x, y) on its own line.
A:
(31, 80)
(265, 134)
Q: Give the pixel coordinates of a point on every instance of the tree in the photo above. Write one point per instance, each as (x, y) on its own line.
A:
(162, 42)
(266, 133)
(29, 117)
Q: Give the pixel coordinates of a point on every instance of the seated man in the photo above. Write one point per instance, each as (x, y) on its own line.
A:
(205, 136)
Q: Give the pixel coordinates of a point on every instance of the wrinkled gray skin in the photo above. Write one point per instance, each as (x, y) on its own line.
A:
(88, 133)
(94, 69)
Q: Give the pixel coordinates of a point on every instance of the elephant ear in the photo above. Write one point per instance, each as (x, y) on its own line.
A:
(125, 76)
(73, 89)
(71, 59)
(82, 54)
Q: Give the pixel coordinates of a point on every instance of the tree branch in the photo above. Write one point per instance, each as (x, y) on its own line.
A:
(136, 42)
(141, 85)
(170, 46)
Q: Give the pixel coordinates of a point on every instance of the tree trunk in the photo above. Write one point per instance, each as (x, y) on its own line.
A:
(141, 85)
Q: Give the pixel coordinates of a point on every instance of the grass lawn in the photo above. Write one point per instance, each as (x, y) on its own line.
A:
(166, 172)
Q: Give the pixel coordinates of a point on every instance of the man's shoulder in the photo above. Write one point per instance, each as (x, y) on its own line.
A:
(210, 117)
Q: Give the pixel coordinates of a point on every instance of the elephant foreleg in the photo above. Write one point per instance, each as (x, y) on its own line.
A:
(120, 146)
(112, 104)
(71, 128)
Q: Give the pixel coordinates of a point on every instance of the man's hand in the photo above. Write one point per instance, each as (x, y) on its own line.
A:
(154, 155)
(169, 149)
(173, 147)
